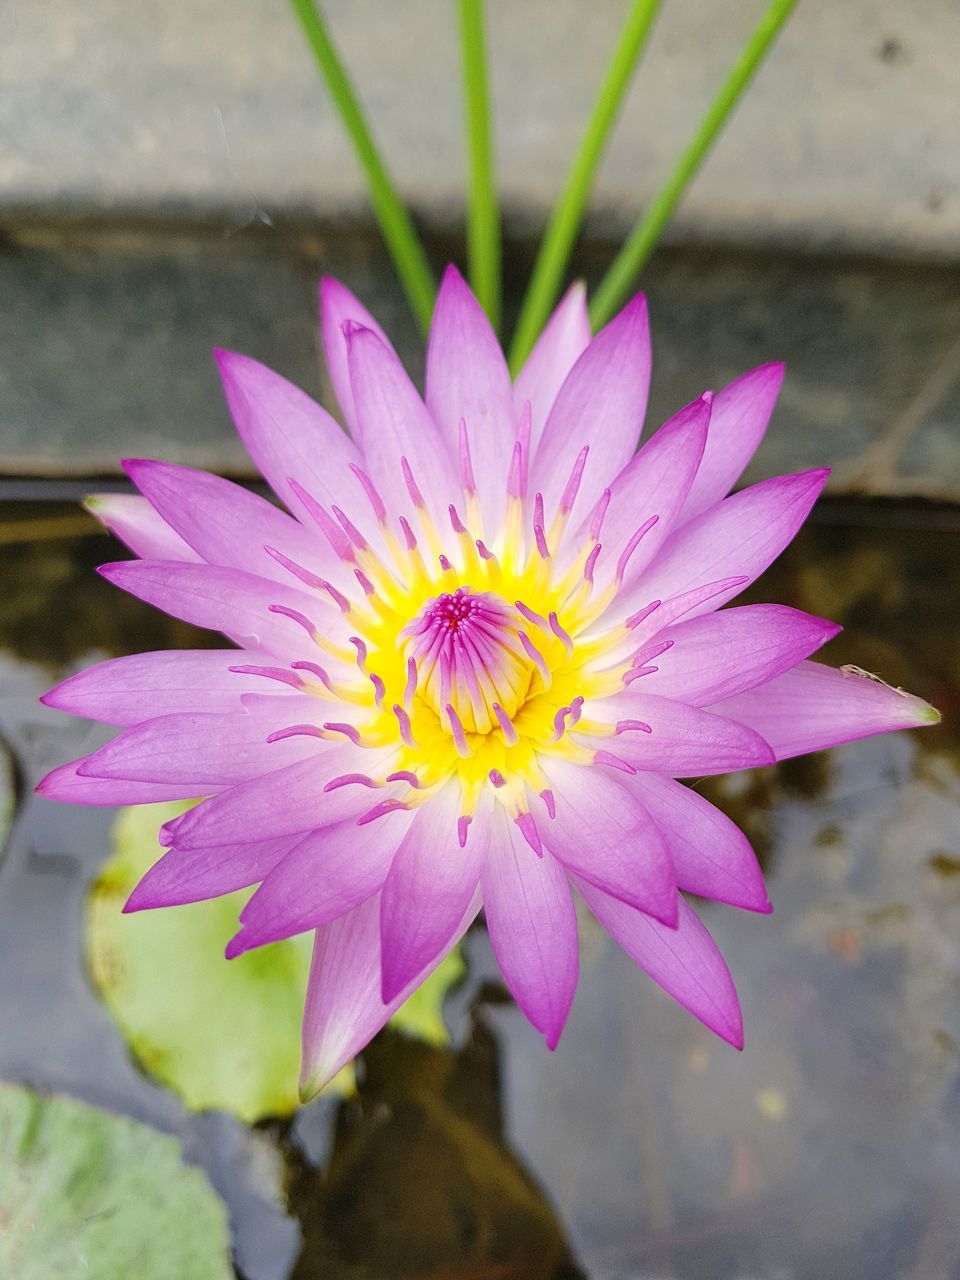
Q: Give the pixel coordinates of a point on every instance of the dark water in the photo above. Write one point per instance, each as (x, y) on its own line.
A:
(643, 1148)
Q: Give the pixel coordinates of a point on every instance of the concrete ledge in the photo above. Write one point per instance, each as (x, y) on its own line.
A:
(850, 138)
(105, 349)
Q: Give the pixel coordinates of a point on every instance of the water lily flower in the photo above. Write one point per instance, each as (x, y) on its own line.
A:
(473, 658)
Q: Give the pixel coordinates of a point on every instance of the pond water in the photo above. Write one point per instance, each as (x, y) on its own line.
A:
(643, 1149)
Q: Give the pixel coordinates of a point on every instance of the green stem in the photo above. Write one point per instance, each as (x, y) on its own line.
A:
(620, 279)
(483, 216)
(564, 224)
(395, 222)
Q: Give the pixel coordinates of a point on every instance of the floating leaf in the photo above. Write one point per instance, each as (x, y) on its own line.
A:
(422, 1013)
(223, 1034)
(86, 1193)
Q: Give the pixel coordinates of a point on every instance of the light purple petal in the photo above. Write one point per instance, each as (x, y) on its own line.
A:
(601, 404)
(288, 435)
(685, 961)
(227, 524)
(183, 876)
(741, 412)
(131, 518)
(344, 1010)
(533, 927)
(328, 873)
(280, 803)
(337, 306)
(66, 786)
(563, 341)
(467, 377)
(602, 832)
(711, 855)
(813, 707)
(684, 741)
(393, 423)
(720, 654)
(202, 750)
(427, 890)
(226, 600)
(738, 537)
(655, 482)
(124, 691)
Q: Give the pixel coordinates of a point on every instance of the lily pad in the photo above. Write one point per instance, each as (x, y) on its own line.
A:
(223, 1034)
(86, 1193)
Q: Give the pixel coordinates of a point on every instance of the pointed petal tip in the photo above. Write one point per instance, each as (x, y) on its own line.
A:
(453, 275)
(552, 1037)
(134, 903)
(314, 1080)
(226, 359)
(355, 332)
(926, 714)
(236, 946)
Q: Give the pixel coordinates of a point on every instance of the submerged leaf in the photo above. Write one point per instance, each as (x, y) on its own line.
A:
(86, 1193)
(222, 1034)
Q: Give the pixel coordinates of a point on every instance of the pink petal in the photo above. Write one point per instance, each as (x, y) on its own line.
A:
(344, 1010)
(431, 882)
(563, 341)
(740, 536)
(533, 927)
(286, 433)
(132, 519)
(327, 874)
(684, 741)
(66, 786)
(338, 306)
(183, 876)
(813, 707)
(711, 855)
(227, 524)
(227, 600)
(741, 412)
(201, 750)
(280, 803)
(601, 404)
(685, 961)
(720, 654)
(655, 482)
(602, 832)
(467, 377)
(393, 423)
(124, 691)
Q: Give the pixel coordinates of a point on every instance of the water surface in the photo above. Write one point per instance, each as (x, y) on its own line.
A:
(643, 1148)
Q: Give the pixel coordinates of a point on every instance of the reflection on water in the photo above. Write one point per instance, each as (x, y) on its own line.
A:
(643, 1148)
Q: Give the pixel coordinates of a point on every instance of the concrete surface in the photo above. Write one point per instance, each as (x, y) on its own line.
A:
(123, 366)
(850, 137)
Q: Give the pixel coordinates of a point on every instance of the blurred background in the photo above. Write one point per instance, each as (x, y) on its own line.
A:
(173, 178)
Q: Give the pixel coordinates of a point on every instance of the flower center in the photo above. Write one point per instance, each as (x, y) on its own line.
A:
(470, 658)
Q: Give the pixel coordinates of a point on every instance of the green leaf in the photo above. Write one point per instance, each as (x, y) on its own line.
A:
(223, 1034)
(421, 1015)
(396, 225)
(86, 1193)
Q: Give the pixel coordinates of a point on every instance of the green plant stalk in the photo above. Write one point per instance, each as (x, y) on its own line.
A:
(567, 216)
(395, 222)
(483, 213)
(620, 278)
